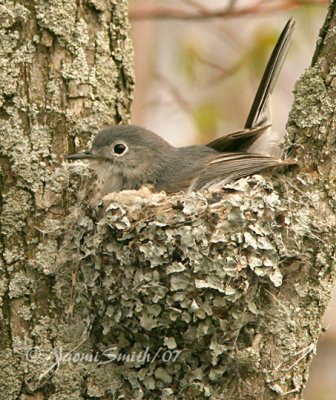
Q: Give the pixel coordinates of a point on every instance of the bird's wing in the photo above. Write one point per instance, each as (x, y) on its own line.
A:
(236, 139)
(227, 167)
(259, 118)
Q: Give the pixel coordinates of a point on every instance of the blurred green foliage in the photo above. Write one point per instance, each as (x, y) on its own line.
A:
(207, 112)
(189, 56)
(257, 55)
(206, 116)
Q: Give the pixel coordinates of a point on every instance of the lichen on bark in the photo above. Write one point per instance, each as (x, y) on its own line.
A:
(53, 96)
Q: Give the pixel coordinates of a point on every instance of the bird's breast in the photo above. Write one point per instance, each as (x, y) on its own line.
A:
(107, 179)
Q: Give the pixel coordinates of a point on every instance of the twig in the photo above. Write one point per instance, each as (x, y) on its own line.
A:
(165, 13)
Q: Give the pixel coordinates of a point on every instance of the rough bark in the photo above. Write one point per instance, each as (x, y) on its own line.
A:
(66, 71)
(208, 295)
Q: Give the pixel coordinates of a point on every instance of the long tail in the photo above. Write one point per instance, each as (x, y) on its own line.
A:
(270, 77)
(258, 119)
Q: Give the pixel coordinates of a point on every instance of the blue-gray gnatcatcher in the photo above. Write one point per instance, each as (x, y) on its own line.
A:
(128, 156)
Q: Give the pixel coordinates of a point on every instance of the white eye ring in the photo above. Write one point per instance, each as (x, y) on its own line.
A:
(119, 149)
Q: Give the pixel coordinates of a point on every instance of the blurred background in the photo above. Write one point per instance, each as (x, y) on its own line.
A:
(198, 64)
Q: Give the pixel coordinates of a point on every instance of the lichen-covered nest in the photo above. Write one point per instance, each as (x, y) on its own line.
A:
(198, 283)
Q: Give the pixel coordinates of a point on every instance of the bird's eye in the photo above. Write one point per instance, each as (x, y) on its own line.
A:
(119, 148)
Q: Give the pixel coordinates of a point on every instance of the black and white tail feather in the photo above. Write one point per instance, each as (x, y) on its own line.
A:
(235, 161)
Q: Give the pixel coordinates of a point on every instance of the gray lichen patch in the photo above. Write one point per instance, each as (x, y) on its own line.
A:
(59, 17)
(19, 285)
(201, 274)
(314, 104)
(313, 113)
(11, 385)
(16, 204)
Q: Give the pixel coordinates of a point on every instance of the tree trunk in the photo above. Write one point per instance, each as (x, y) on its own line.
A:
(66, 71)
(150, 296)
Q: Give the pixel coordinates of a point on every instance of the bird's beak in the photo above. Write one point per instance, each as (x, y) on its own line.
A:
(80, 156)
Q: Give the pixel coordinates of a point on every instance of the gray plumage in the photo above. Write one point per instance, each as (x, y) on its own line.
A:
(129, 156)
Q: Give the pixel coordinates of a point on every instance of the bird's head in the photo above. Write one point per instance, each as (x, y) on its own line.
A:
(129, 153)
